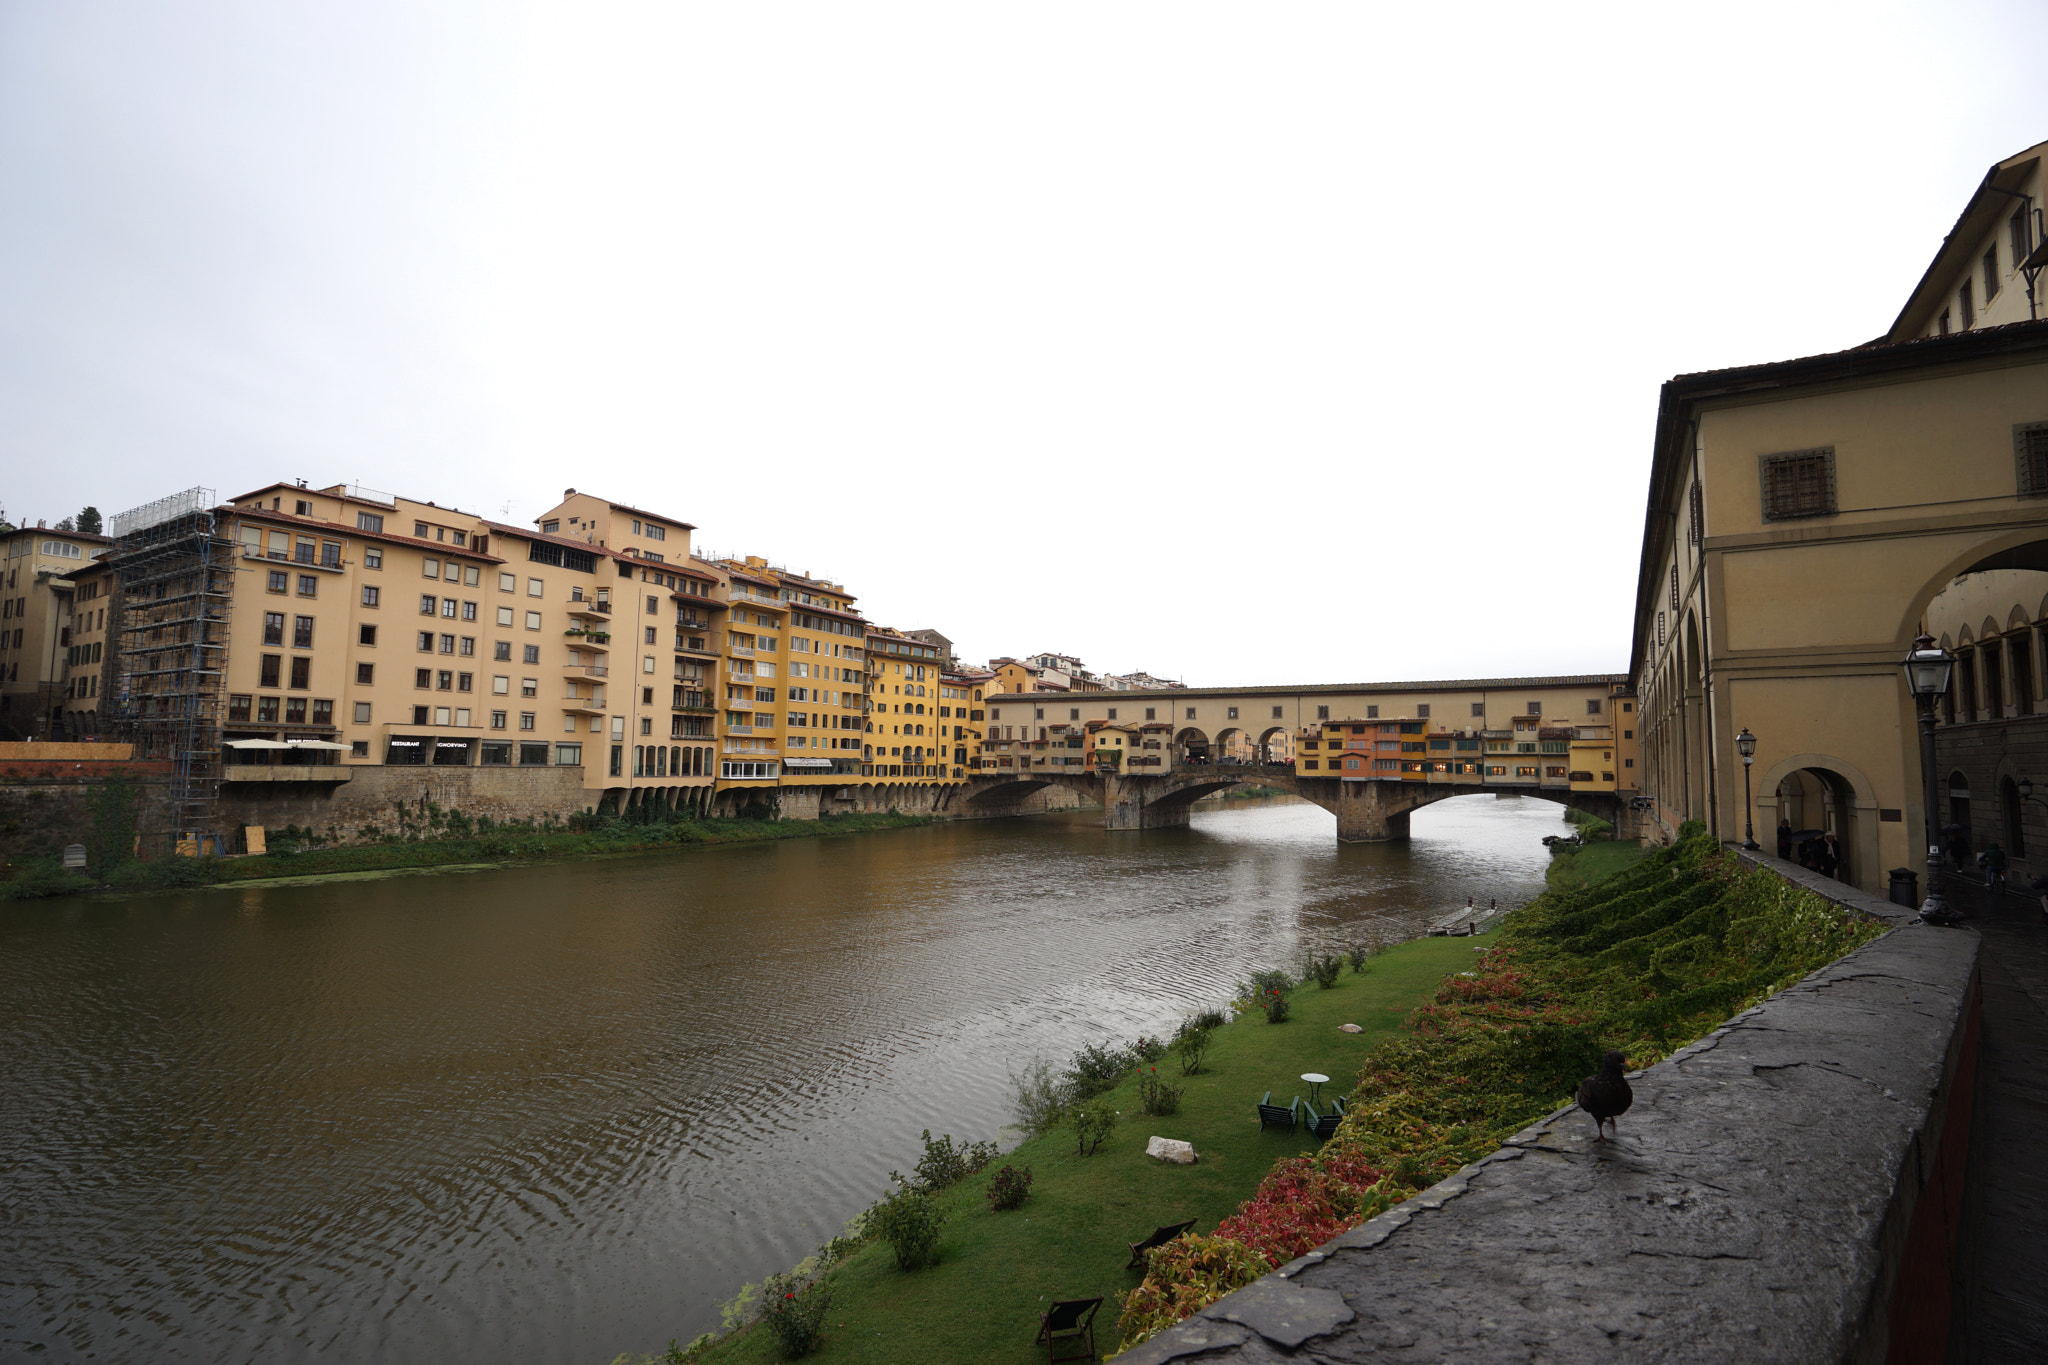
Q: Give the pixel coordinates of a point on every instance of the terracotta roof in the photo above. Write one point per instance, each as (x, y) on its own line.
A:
(650, 516)
(341, 529)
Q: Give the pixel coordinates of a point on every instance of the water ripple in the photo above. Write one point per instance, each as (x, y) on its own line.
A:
(552, 1114)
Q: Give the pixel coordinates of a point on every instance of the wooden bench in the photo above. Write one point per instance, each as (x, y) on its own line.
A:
(1322, 1125)
(1159, 1238)
(1070, 1322)
(1272, 1115)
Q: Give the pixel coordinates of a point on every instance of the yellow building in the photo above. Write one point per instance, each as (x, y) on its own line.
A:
(961, 706)
(905, 741)
(1804, 517)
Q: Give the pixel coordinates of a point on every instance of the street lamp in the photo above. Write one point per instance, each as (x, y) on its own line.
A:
(1928, 667)
(1745, 744)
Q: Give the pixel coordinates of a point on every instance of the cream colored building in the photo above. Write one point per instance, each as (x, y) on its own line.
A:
(1805, 516)
(36, 564)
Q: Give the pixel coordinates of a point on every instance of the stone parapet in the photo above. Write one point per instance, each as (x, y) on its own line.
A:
(1782, 1191)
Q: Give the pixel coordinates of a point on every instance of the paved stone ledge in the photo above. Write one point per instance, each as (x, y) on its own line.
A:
(1756, 1207)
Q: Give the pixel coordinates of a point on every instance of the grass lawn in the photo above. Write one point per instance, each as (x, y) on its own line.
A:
(1595, 862)
(1069, 1240)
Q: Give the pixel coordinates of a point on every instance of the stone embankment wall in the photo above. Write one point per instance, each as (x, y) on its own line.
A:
(387, 798)
(45, 802)
(1784, 1190)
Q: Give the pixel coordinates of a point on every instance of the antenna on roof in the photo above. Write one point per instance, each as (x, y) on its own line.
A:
(506, 510)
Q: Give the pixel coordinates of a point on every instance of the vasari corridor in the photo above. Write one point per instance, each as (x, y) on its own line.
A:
(1523, 839)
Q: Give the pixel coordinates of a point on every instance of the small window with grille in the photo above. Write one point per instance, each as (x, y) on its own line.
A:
(1798, 483)
(1674, 587)
(2030, 450)
(1699, 519)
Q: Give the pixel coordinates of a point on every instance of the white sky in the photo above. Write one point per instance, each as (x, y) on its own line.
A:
(1253, 343)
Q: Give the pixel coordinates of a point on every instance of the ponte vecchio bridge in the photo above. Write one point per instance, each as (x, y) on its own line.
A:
(1371, 754)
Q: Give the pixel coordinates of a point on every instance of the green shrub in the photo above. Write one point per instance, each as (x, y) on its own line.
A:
(794, 1307)
(909, 1220)
(1040, 1101)
(1324, 968)
(1092, 1123)
(1097, 1068)
(1208, 1019)
(1190, 1041)
(1187, 1274)
(1010, 1188)
(1156, 1096)
(945, 1164)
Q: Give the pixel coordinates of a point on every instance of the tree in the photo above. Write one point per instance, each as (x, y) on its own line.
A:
(89, 520)
(64, 525)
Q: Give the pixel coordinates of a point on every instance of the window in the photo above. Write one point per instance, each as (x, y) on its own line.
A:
(2022, 236)
(309, 585)
(466, 646)
(269, 669)
(273, 627)
(420, 714)
(1322, 713)
(428, 604)
(497, 720)
(1372, 712)
(302, 632)
(366, 675)
(501, 685)
(1535, 708)
(526, 720)
(464, 681)
(1674, 587)
(1422, 711)
(531, 654)
(1798, 483)
(533, 620)
(569, 755)
(1074, 713)
(1660, 630)
(302, 507)
(359, 748)
(1191, 713)
(501, 650)
(1966, 302)
(238, 706)
(294, 710)
(278, 580)
(1942, 322)
(1991, 273)
(447, 643)
(431, 567)
(362, 713)
(448, 607)
(505, 616)
(366, 635)
(369, 521)
(423, 677)
(266, 710)
(536, 588)
(2030, 449)
(426, 642)
(468, 611)
(373, 557)
(529, 687)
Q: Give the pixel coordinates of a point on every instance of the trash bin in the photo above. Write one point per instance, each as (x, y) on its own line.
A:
(1905, 887)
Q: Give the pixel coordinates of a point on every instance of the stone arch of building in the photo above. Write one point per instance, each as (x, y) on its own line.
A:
(1264, 747)
(2017, 549)
(1853, 798)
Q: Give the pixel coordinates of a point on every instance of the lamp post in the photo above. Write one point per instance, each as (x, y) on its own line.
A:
(1745, 744)
(1928, 667)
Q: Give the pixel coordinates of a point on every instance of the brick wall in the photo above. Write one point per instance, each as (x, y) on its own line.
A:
(374, 794)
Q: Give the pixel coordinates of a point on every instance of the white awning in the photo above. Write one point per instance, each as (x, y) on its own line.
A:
(314, 744)
(256, 744)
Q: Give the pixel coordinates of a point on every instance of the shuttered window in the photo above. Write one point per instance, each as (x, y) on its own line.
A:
(1798, 483)
(2030, 449)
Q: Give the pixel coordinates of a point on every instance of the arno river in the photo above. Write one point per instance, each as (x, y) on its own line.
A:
(551, 1114)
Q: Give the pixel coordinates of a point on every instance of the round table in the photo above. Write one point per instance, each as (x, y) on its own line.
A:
(1315, 1081)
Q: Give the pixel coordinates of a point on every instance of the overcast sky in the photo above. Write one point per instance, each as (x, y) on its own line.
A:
(1250, 343)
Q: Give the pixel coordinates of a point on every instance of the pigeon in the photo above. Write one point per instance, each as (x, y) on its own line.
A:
(1605, 1095)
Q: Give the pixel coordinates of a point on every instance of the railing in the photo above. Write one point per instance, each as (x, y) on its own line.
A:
(580, 607)
(587, 670)
(752, 749)
(746, 651)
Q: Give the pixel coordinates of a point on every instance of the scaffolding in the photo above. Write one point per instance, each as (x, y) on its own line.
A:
(176, 570)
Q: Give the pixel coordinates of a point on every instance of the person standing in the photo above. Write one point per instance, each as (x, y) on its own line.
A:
(1785, 839)
(1992, 859)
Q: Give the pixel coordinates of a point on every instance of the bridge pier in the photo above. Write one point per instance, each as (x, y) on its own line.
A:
(1125, 806)
(1367, 812)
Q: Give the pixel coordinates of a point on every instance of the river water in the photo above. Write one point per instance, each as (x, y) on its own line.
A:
(553, 1113)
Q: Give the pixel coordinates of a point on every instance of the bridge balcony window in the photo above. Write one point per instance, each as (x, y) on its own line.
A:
(1311, 764)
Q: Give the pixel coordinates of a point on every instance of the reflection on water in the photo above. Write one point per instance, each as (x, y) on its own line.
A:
(554, 1113)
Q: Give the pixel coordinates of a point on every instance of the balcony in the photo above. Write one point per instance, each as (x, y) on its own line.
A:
(693, 701)
(744, 651)
(693, 622)
(586, 670)
(583, 706)
(757, 747)
(697, 651)
(591, 611)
